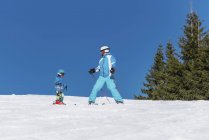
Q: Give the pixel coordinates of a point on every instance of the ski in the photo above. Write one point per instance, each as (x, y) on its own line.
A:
(96, 104)
(61, 103)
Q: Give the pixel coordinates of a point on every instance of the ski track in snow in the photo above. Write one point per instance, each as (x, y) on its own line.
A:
(33, 117)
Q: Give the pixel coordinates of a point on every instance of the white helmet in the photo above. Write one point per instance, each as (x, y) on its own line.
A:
(105, 48)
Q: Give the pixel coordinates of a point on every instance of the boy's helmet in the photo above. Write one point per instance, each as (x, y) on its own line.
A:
(61, 72)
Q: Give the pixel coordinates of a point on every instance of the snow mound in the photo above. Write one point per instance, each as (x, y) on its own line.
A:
(33, 117)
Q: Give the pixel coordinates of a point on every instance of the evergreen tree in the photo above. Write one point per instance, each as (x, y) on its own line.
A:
(173, 72)
(191, 45)
(191, 40)
(203, 70)
(155, 77)
(187, 79)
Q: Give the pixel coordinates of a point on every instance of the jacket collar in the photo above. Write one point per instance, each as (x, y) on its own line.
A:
(106, 54)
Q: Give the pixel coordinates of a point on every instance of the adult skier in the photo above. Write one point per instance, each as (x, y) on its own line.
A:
(107, 69)
(60, 87)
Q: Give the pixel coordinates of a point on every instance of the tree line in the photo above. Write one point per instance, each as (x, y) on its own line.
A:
(183, 75)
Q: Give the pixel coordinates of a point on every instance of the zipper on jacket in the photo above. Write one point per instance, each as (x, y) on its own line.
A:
(103, 66)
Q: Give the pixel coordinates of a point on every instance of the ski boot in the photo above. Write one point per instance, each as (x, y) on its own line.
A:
(119, 102)
(92, 103)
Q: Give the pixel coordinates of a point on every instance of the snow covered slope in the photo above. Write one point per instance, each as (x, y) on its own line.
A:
(33, 117)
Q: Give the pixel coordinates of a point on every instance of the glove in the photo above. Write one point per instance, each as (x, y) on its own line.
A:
(91, 71)
(112, 70)
(65, 87)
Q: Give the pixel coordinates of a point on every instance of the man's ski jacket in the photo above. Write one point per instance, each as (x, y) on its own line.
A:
(105, 64)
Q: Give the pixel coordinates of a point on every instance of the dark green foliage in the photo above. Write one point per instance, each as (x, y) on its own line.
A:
(190, 42)
(140, 97)
(185, 79)
(155, 77)
(192, 55)
(173, 72)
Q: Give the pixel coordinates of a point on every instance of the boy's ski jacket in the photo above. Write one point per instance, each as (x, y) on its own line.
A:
(105, 64)
(59, 84)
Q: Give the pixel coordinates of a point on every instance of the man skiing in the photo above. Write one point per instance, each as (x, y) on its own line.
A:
(60, 87)
(107, 69)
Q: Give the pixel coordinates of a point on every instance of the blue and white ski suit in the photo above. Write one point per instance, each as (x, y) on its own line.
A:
(60, 87)
(105, 64)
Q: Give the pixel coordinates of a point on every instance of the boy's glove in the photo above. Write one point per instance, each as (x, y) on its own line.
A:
(91, 71)
(65, 87)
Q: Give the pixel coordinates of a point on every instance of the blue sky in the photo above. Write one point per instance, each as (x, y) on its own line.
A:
(39, 37)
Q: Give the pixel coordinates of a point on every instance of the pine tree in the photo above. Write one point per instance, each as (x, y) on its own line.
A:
(155, 77)
(192, 53)
(173, 72)
(187, 79)
(204, 68)
(190, 42)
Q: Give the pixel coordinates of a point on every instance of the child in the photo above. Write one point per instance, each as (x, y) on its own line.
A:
(60, 87)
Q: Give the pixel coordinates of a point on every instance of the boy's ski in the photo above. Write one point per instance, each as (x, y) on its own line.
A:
(59, 103)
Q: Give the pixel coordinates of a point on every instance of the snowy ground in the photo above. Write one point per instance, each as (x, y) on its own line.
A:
(33, 117)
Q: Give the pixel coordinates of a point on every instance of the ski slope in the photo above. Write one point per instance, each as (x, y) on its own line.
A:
(33, 117)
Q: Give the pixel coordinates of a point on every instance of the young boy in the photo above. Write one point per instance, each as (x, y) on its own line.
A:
(60, 87)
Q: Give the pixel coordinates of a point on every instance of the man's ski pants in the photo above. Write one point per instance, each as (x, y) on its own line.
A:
(110, 85)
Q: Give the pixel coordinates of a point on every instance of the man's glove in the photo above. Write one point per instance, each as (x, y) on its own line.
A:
(91, 71)
(112, 70)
